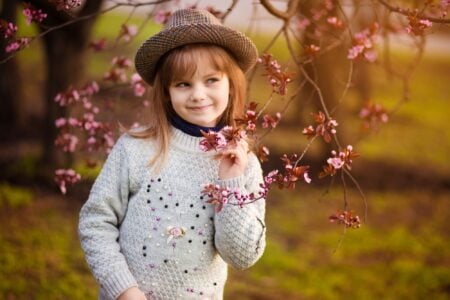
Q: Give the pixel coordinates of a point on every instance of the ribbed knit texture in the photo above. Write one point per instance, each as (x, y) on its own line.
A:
(124, 225)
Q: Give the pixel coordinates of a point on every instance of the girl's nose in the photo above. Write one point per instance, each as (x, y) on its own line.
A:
(198, 93)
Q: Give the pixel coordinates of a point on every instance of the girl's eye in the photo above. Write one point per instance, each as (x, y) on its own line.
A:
(212, 80)
(182, 84)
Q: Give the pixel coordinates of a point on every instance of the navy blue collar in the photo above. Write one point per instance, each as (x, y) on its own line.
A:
(189, 128)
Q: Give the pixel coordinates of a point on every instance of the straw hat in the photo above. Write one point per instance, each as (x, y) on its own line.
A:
(188, 26)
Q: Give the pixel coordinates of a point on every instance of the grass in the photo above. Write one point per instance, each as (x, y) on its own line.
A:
(402, 252)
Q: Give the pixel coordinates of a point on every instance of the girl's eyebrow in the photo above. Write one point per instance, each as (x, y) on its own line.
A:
(215, 73)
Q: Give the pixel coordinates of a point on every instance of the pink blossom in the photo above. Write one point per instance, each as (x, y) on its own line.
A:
(12, 47)
(64, 177)
(213, 140)
(303, 23)
(32, 14)
(127, 32)
(162, 16)
(98, 45)
(68, 142)
(121, 62)
(8, 29)
(136, 78)
(60, 122)
(306, 177)
(65, 4)
(336, 162)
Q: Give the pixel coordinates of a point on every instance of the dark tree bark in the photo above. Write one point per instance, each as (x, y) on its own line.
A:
(10, 83)
(324, 71)
(65, 51)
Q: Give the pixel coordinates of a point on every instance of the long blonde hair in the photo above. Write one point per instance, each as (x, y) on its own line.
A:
(176, 64)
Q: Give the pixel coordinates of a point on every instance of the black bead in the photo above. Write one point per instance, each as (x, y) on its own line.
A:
(144, 247)
(186, 271)
(212, 219)
(204, 242)
(176, 204)
(161, 198)
(149, 186)
(192, 205)
(145, 254)
(204, 207)
(192, 227)
(166, 261)
(201, 197)
(190, 241)
(148, 191)
(159, 179)
(148, 201)
(197, 215)
(166, 206)
(215, 283)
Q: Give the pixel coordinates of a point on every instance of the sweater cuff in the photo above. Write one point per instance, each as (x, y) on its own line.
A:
(118, 282)
(232, 183)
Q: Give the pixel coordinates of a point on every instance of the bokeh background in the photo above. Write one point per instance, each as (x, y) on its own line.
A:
(402, 250)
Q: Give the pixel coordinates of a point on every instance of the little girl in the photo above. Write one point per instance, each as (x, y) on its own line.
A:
(146, 230)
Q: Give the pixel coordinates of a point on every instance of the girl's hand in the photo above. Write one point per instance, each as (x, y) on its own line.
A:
(132, 293)
(234, 160)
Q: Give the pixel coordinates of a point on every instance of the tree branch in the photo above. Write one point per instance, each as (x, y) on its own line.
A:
(407, 12)
(289, 13)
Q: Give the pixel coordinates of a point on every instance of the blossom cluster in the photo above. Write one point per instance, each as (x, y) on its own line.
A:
(219, 196)
(117, 73)
(65, 4)
(99, 134)
(292, 173)
(220, 140)
(8, 30)
(250, 118)
(32, 14)
(417, 26)
(98, 45)
(277, 79)
(138, 84)
(363, 44)
(127, 32)
(326, 127)
(346, 218)
(65, 177)
(341, 160)
(373, 115)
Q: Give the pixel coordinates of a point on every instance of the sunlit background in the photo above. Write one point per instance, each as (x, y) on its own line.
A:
(401, 250)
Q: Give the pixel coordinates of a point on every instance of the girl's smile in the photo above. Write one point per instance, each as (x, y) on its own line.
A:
(202, 98)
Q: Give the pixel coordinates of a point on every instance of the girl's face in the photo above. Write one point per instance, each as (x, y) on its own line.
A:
(202, 98)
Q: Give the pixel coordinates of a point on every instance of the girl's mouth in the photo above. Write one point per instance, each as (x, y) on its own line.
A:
(199, 108)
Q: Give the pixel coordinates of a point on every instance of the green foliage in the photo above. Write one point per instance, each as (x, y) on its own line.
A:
(389, 257)
(26, 167)
(11, 196)
(87, 172)
(41, 257)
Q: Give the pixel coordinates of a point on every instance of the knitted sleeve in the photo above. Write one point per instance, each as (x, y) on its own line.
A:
(240, 231)
(99, 222)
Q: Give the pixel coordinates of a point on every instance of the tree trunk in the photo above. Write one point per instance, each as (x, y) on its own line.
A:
(65, 51)
(10, 83)
(323, 70)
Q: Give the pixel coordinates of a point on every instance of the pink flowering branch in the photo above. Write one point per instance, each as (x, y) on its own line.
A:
(408, 12)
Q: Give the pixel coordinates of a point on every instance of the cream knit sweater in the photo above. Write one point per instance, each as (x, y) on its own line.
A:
(158, 233)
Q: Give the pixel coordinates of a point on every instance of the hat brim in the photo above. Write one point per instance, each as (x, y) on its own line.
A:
(240, 46)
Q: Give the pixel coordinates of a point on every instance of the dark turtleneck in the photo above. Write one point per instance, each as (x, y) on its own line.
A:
(189, 128)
